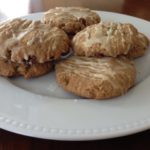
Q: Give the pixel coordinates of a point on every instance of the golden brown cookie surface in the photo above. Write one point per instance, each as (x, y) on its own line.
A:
(97, 78)
(71, 19)
(24, 40)
(140, 46)
(10, 69)
(105, 38)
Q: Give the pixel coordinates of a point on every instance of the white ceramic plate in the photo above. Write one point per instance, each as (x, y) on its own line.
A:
(39, 108)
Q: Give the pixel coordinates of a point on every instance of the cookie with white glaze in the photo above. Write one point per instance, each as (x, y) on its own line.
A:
(22, 41)
(106, 38)
(71, 19)
(96, 78)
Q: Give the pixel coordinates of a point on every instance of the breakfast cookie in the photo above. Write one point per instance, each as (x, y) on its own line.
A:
(25, 41)
(11, 69)
(140, 46)
(105, 38)
(28, 47)
(71, 19)
(96, 78)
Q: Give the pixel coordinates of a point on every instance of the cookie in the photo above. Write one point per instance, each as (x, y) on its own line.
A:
(140, 46)
(71, 19)
(105, 38)
(96, 78)
(11, 69)
(24, 41)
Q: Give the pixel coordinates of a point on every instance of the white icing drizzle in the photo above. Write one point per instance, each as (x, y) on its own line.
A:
(104, 69)
(111, 36)
(14, 34)
(21, 35)
(30, 42)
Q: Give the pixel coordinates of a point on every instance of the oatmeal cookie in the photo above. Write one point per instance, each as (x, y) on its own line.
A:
(71, 19)
(96, 78)
(23, 40)
(105, 38)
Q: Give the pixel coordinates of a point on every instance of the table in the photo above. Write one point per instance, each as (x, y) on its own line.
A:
(11, 141)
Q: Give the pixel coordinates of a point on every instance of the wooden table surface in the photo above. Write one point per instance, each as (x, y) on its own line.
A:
(11, 141)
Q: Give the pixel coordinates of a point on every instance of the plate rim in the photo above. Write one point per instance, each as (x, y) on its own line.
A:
(73, 134)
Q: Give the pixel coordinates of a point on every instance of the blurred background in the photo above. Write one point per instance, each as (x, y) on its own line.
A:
(16, 8)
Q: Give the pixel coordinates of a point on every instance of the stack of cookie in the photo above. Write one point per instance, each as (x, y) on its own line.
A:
(27, 48)
(100, 68)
